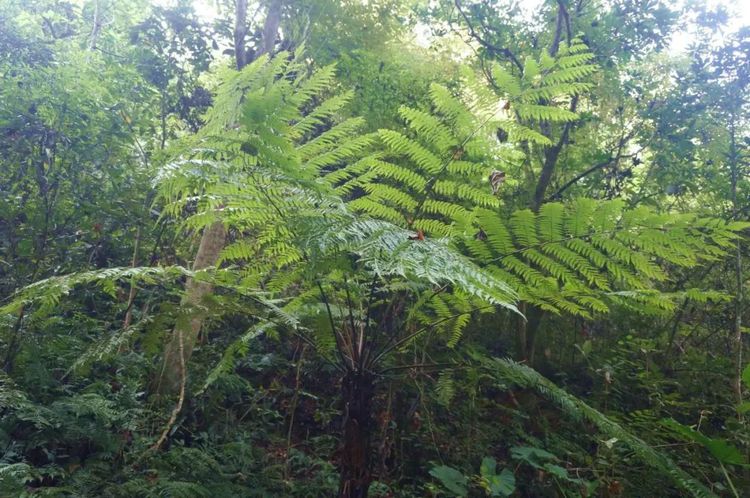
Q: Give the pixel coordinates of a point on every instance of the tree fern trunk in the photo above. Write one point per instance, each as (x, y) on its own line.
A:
(357, 390)
(528, 337)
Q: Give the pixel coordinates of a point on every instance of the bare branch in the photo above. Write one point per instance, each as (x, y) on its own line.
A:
(504, 51)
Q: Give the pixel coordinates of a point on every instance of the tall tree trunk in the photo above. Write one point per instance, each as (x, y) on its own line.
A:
(357, 390)
(181, 344)
(739, 303)
(734, 164)
(270, 28)
(97, 25)
(551, 155)
(528, 330)
(185, 333)
(240, 32)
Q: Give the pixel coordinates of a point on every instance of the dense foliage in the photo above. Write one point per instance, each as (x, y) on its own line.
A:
(373, 248)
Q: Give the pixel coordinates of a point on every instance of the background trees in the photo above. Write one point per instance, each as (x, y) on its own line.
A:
(298, 250)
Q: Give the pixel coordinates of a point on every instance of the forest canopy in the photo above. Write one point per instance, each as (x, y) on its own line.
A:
(384, 248)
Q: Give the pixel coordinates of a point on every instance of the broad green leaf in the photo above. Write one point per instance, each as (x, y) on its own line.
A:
(746, 375)
(453, 480)
(503, 484)
(488, 467)
(532, 455)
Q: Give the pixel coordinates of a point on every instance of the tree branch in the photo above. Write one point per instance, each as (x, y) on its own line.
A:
(504, 51)
(612, 159)
(550, 160)
(580, 176)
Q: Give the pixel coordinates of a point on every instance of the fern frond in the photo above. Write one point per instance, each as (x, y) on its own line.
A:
(523, 376)
(401, 145)
(430, 128)
(578, 257)
(545, 113)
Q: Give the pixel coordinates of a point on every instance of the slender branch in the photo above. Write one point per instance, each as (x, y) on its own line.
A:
(312, 344)
(729, 480)
(550, 160)
(368, 336)
(580, 176)
(392, 338)
(489, 46)
(356, 353)
(369, 301)
(51, 27)
(328, 308)
(293, 407)
(180, 399)
(624, 139)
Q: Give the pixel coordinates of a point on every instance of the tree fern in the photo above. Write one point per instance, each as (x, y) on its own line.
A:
(279, 178)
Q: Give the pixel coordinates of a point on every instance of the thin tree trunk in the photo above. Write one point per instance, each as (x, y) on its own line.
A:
(97, 25)
(132, 292)
(293, 405)
(240, 32)
(739, 298)
(271, 28)
(738, 324)
(213, 238)
(186, 332)
(522, 350)
(551, 156)
(528, 333)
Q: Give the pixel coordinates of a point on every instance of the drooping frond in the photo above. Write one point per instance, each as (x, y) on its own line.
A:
(46, 294)
(523, 376)
(386, 249)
